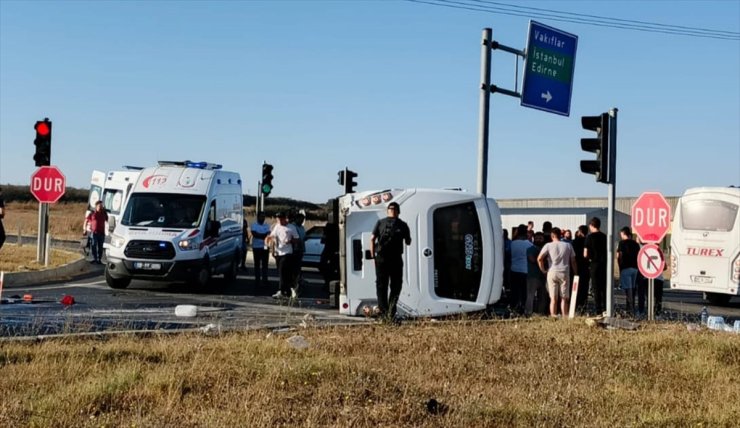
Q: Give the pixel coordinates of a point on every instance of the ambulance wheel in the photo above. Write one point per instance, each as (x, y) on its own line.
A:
(230, 275)
(203, 276)
(117, 283)
(717, 299)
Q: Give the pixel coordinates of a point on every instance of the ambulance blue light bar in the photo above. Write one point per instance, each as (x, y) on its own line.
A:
(202, 165)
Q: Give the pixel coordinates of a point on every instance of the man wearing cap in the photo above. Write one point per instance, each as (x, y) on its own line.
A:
(284, 238)
(386, 247)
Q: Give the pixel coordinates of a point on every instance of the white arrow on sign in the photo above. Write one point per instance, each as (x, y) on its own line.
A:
(547, 96)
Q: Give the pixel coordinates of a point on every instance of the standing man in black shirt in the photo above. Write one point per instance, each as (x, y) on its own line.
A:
(2, 214)
(386, 247)
(595, 252)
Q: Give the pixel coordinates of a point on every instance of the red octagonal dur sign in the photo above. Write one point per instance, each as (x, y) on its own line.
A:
(48, 184)
(651, 217)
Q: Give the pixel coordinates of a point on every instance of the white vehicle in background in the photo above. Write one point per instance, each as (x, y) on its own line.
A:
(181, 222)
(455, 261)
(112, 188)
(705, 243)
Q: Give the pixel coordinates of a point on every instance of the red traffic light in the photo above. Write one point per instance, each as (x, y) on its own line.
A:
(42, 128)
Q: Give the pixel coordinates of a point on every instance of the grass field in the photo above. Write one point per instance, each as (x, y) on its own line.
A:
(538, 372)
(18, 259)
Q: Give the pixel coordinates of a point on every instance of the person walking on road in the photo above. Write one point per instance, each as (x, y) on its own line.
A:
(260, 253)
(386, 248)
(95, 222)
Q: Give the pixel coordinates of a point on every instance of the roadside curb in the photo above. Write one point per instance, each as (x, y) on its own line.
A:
(70, 270)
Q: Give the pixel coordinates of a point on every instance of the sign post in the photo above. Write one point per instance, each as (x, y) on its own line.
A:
(548, 69)
(651, 218)
(48, 184)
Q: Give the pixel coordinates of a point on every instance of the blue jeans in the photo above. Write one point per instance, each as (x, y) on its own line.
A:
(97, 246)
(628, 279)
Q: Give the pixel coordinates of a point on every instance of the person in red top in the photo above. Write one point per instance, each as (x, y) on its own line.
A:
(95, 222)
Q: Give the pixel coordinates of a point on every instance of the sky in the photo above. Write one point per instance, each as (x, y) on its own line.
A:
(389, 89)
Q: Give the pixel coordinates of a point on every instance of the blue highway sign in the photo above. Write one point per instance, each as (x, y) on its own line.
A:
(548, 69)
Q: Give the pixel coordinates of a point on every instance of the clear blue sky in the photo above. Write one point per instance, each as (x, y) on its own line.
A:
(389, 89)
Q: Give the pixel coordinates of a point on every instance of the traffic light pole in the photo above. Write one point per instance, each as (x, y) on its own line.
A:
(43, 230)
(612, 174)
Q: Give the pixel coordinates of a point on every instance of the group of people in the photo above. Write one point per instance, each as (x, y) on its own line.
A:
(541, 267)
(286, 239)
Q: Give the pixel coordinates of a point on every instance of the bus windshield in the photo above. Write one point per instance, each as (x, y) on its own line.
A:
(708, 215)
(458, 252)
(163, 210)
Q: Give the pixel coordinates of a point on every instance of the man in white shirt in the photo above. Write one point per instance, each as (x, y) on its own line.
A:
(284, 236)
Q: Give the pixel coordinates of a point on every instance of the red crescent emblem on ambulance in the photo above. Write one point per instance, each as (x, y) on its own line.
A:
(154, 180)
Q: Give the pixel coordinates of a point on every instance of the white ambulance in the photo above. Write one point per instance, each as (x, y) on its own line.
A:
(112, 188)
(181, 222)
(705, 243)
(455, 261)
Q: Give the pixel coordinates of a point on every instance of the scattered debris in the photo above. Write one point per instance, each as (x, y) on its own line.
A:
(297, 342)
(308, 321)
(188, 311)
(693, 327)
(212, 329)
(434, 407)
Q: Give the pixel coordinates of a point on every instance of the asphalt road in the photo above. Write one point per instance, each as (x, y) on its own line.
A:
(240, 305)
(151, 306)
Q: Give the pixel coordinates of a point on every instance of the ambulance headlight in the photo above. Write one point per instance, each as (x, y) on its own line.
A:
(192, 242)
(117, 241)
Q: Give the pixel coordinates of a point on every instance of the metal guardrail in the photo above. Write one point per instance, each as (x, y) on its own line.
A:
(67, 244)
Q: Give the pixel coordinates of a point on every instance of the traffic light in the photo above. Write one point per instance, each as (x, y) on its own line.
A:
(340, 180)
(42, 157)
(266, 179)
(598, 145)
(349, 181)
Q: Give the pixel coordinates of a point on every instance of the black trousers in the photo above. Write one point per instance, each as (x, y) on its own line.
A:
(286, 272)
(388, 271)
(2, 234)
(261, 258)
(598, 285)
(518, 282)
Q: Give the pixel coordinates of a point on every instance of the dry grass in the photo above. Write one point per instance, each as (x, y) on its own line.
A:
(18, 259)
(65, 219)
(531, 373)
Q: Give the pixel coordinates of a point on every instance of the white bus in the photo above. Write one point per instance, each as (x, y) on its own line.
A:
(455, 261)
(705, 243)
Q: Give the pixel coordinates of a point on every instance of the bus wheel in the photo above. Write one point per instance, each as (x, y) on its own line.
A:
(117, 283)
(717, 299)
(230, 275)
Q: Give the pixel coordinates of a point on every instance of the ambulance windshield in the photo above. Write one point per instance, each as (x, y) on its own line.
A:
(163, 210)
